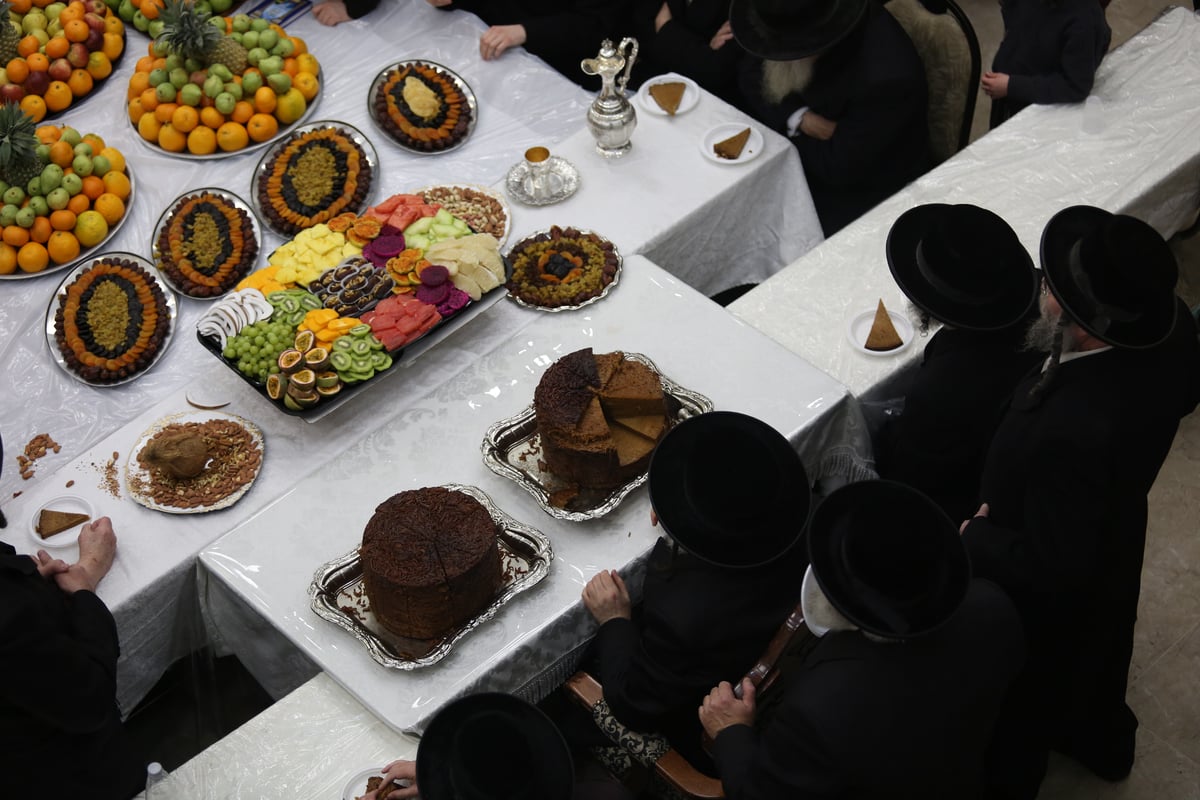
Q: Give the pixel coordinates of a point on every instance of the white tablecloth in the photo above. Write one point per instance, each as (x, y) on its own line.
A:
(1145, 161)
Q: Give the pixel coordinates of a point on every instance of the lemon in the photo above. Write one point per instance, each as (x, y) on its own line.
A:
(90, 228)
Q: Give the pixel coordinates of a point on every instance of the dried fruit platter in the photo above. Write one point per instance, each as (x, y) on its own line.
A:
(205, 242)
(110, 320)
(313, 174)
(562, 269)
(422, 106)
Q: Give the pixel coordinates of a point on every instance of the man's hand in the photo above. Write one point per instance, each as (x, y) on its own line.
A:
(817, 127)
(982, 512)
(331, 12)
(723, 35)
(97, 549)
(722, 709)
(995, 84)
(606, 597)
(498, 38)
(48, 566)
(662, 18)
(399, 770)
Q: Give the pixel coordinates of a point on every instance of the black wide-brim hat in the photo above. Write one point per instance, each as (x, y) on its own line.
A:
(729, 489)
(888, 558)
(493, 746)
(1113, 274)
(785, 30)
(963, 265)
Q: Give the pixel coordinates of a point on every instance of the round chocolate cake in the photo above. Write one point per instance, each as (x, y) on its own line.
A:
(421, 107)
(563, 267)
(315, 176)
(430, 561)
(111, 321)
(207, 245)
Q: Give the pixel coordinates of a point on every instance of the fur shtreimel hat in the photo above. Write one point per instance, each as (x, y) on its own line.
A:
(785, 30)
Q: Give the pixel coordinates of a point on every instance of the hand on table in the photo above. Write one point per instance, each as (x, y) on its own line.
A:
(995, 84)
(399, 770)
(498, 38)
(981, 513)
(97, 549)
(722, 708)
(816, 126)
(331, 12)
(606, 597)
(48, 566)
(723, 35)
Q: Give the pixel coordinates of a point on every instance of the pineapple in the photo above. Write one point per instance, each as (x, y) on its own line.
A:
(19, 160)
(187, 34)
(9, 34)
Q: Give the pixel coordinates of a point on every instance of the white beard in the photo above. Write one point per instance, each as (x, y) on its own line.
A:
(781, 78)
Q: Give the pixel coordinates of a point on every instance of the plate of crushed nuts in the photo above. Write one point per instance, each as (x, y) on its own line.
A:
(482, 209)
(194, 461)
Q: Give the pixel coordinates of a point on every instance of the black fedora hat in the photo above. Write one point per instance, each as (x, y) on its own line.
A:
(1113, 274)
(729, 489)
(784, 30)
(963, 265)
(493, 746)
(888, 558)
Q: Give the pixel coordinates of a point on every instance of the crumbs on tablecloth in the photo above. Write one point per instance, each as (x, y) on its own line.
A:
(37, 447)
(70, 484)
(16, 494)
(109, 482)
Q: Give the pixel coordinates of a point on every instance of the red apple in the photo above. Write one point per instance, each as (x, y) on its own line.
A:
(60, 69)
(198, 77)
(94, 40)
(12, 92)
(37, 82)
(98, 7)
(78, 55)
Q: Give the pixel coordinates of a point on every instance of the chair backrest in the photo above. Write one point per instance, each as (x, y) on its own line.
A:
(949, 51)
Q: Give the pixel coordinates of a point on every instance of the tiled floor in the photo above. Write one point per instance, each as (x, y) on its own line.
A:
(1164, 687)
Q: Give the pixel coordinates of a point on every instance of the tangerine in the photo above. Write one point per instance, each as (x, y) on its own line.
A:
(171, 139)
(151, 9)
(90, 228)
(34, 106)
(113, 24)
(48, 134)
(138, 83)
(243, 110)
(264, 100)
(21, 6)
(57, 47)
(79, 204)
(73, 10)
(118, 183)
(40, 230)
(38, 61)
(8, 259)
(99, 66)
(202, 140)
(145, 63)
(299, 46)
(28, 45)
(32, 257)
(111, 207)
(114, 45)
(306, 62)
(62, 153)
(80, 82)
(116, 161)
(63, 246)
(14, 235)
(262, 127)
(135, 110)
(149, 99)
(93, 187)
(17, 70)
(163, 112)
(211, 117)
(94, 140)
(148, 128)
(306, 83)
(58, 95)
(184, 119)
(291, 106)
(75, 30)
(231, 136)
(62, 220)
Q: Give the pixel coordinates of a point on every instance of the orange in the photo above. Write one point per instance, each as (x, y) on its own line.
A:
(94, 140)
(171, 140)
(150, 9)
(149, 99)
(264, 100)
(243, 110)
(113, 24)
(72, 11)
(290, 67)
(184, 119)
(117, 183)
(62, 153)
(116, 160)
(159, 62)
(58, 95)
(306, 83)
(164, 111)
(76, 30)
(8, 259)
(17, 69)
(111, 207)
(28, 45)
(79, 204)
(63, 247)
(62, 220)
(306, 62)
(299, 47)
(114, 45)
(135, 110)
(211, 117)
(93, 187)
(38, 61)
(138, 83)
(145, 63)
(262, 127)
(90, 228)
(291, 106)
(148, 128)
(32, 257)
(80, 82)
(41, 230)
(231, 136)
(202, 140)
(34, 106)
(49, 134)
(21, 6)
(57, 47)
(99, 66)
(15, 235)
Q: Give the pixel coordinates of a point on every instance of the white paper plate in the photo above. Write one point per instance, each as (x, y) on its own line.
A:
(859, 327)
(691, 95)
(356, 787)
(753, 147)
(71, 504)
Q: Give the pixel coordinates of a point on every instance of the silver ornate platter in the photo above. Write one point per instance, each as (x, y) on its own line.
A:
(337, 594)
(60, 293)
(570, 307)
(264, 163)
(512, 449)
(165, 219)
(562, 181)
(455, 78)
(85, 253)
(500, 228)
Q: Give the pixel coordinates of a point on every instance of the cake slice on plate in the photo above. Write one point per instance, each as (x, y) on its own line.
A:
(883, 335)
(668, 95)
(51, 522)
(732, 147)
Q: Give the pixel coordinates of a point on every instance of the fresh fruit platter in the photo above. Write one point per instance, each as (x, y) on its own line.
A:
(52, 54)
(64, 194)
(206, 242)
(338, 303)
(210, 86)
(422, 106)
(144, 15)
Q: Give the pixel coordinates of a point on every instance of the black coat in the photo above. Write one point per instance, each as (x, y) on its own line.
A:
(951, 410)
(682, 45)
(60, 729)
(1050, 52)
(863, 719)
(1066, 480)
(699, 625)
(872, 85)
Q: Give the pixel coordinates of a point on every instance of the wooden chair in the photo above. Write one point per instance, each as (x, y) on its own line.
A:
(949, 50)
(652, 750)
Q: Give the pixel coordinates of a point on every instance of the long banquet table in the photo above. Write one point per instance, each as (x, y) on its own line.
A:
(1139, 154)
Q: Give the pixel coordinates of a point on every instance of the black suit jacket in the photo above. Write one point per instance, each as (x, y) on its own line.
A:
(863, 719)
(683, 44)
(951, 410)
(699, 625)
(872, 85)
(59, 722)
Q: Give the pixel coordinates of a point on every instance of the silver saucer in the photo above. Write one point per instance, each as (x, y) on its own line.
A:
(562, 181)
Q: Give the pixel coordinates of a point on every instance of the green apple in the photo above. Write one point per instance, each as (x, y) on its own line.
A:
(72, 183)
(52, 175)
(39, 205)
(58, 198)
(165, 92)
(8, 214)
(225, 102)
(82, 166)
(191, 95)
(83, 149)
(100, 165)
(26, 217)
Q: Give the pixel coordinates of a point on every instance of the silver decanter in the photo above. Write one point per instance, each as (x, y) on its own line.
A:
(611, 117)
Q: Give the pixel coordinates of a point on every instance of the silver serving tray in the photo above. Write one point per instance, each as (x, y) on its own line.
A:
(560, 168)
(260, 171)
(512, 449)
(60, 293)
(459, 84)
(87, 253)
(164, 219)
(552, 309)
(337, 594)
